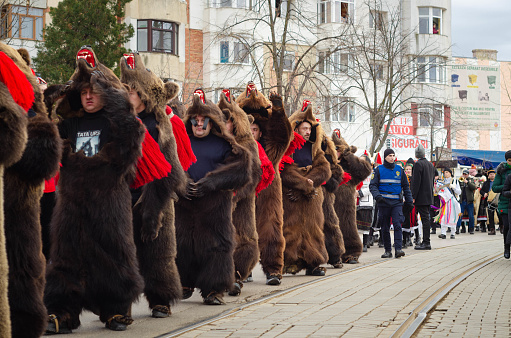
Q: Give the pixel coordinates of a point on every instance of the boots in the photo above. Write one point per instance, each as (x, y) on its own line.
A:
(365, 238)
(380, 241)
(483, 227)
(506, 251)
(463, 228)
(370, 241)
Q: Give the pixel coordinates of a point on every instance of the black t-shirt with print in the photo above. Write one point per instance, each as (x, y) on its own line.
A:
(88, 133)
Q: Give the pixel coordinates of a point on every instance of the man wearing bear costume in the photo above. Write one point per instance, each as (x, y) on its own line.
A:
(23, 189)
(93, 263)
(204, 229)
(277, 134)
(345, 202)
(334, 241)
(153, 213)
(246, 252)
(303, 198)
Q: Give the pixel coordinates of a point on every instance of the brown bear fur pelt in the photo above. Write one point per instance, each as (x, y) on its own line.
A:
(204, 229)
(23, 188)
(246, 252)
(93, 261)
(345, 200)
(303, 202)
(13, 137)
(276, 137)
(334, 241)
(153, 214)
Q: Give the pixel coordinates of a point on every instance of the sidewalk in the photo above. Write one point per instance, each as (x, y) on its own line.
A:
(375, 300)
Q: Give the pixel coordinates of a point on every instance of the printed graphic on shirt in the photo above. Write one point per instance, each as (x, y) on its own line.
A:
(88, 141)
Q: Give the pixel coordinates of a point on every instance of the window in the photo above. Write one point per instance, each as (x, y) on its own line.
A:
(157, 36)
(377, 71)
(431, 69)
(240, 53)
(334, 63)
(430, 115)
(377, 19)
(22, 22)
(336, 11)
(289, 61)
(430, 20)
(247, 4)
(339, 109)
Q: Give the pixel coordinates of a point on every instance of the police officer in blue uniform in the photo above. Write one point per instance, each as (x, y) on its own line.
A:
(388, 186)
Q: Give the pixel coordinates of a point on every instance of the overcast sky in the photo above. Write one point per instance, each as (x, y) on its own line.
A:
(478, 24)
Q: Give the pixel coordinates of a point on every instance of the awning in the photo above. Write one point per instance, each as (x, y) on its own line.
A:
(484, 158)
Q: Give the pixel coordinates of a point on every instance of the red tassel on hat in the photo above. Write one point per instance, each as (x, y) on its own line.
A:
(297, 143)
(378, 159)
(16, 81)
(268, 171)
(152, 165)
(184, 147)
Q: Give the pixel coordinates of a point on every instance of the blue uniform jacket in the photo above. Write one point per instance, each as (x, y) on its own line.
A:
(376, 183)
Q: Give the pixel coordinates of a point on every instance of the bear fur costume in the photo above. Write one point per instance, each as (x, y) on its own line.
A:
(345, 201)
(334, 241)
(23, 189)
(13, 137)
(303, 202)
(153, 214)
(93, 255)
(204, 229)
(246, 252)
(276, 137)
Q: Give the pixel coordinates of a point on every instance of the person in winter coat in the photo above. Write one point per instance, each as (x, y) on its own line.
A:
(468, 187)
(365, 209)
(499, 186)
(423, 175)
(486, 190)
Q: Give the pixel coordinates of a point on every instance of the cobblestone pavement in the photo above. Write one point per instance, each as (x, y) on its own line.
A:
(375, 300)
(478, 307)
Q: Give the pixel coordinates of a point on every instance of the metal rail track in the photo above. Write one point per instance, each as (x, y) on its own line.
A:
(406, 329)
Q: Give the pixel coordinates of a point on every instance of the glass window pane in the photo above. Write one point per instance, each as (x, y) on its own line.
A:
(35, 11)
(424, 11)
(157, 24)
(241, 4)
(224, 52)
(15, 26)
(142, 24)
(167, 41)
(27, 28)
(225, 3)
(437, 12)
(321, 63)
(167, 25)
(337, 11)
(39, 28)
(19, 9)
(142, 40)
(423, 25)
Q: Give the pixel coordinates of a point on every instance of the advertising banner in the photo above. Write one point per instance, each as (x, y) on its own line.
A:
(475, 99)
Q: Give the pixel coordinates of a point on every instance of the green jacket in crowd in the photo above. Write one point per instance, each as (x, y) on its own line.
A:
(503, 170)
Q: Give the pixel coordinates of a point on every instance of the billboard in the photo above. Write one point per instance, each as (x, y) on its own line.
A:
(475, 99)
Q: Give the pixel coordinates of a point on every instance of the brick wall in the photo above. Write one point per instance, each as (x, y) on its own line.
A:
(193, 63)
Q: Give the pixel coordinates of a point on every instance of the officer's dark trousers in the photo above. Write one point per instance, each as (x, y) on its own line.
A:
(424, 211)
(396, 213)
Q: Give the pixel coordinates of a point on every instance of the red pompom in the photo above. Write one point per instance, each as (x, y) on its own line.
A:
(297, 143)
(16, 81)
(345, 178)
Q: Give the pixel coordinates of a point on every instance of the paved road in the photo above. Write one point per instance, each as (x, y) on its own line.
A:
(369, 299)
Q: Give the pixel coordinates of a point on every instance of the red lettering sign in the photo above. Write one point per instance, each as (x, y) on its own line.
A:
(411, 143)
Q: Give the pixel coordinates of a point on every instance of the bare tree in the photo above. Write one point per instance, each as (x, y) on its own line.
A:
(279, 40)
